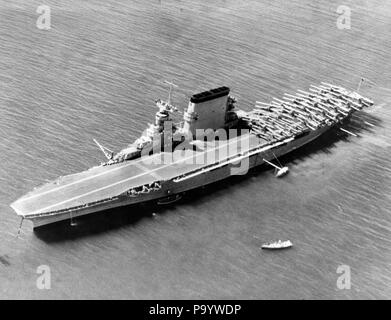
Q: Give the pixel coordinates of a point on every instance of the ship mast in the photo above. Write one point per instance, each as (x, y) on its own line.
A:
(169, 92)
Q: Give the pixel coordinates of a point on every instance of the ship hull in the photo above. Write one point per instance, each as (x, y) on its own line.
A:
(172, 187)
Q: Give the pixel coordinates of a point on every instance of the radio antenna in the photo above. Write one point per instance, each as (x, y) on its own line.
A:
(169, 93)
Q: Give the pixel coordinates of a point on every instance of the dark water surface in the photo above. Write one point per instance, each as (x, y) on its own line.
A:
(96, 73)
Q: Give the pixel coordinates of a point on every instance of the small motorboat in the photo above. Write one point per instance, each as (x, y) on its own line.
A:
(279, 171)
(282, 172)
(277, 245)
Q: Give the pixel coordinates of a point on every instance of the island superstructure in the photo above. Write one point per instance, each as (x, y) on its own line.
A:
(170, 159)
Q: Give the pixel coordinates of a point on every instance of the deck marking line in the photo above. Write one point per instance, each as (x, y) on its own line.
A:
(81, 180)
(119, 182)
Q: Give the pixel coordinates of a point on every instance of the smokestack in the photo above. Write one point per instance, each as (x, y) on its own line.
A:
(206, 110)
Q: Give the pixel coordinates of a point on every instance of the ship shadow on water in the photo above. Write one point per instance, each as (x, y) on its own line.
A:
(100, 222)
(123, 217)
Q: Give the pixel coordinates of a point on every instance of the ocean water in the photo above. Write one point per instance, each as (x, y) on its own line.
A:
(96, 74)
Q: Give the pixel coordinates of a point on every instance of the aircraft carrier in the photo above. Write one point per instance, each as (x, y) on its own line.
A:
(172, 158)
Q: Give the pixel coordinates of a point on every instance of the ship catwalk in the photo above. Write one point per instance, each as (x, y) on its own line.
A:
(139, 174)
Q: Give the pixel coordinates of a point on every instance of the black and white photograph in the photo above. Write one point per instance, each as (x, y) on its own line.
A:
(168, 150)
